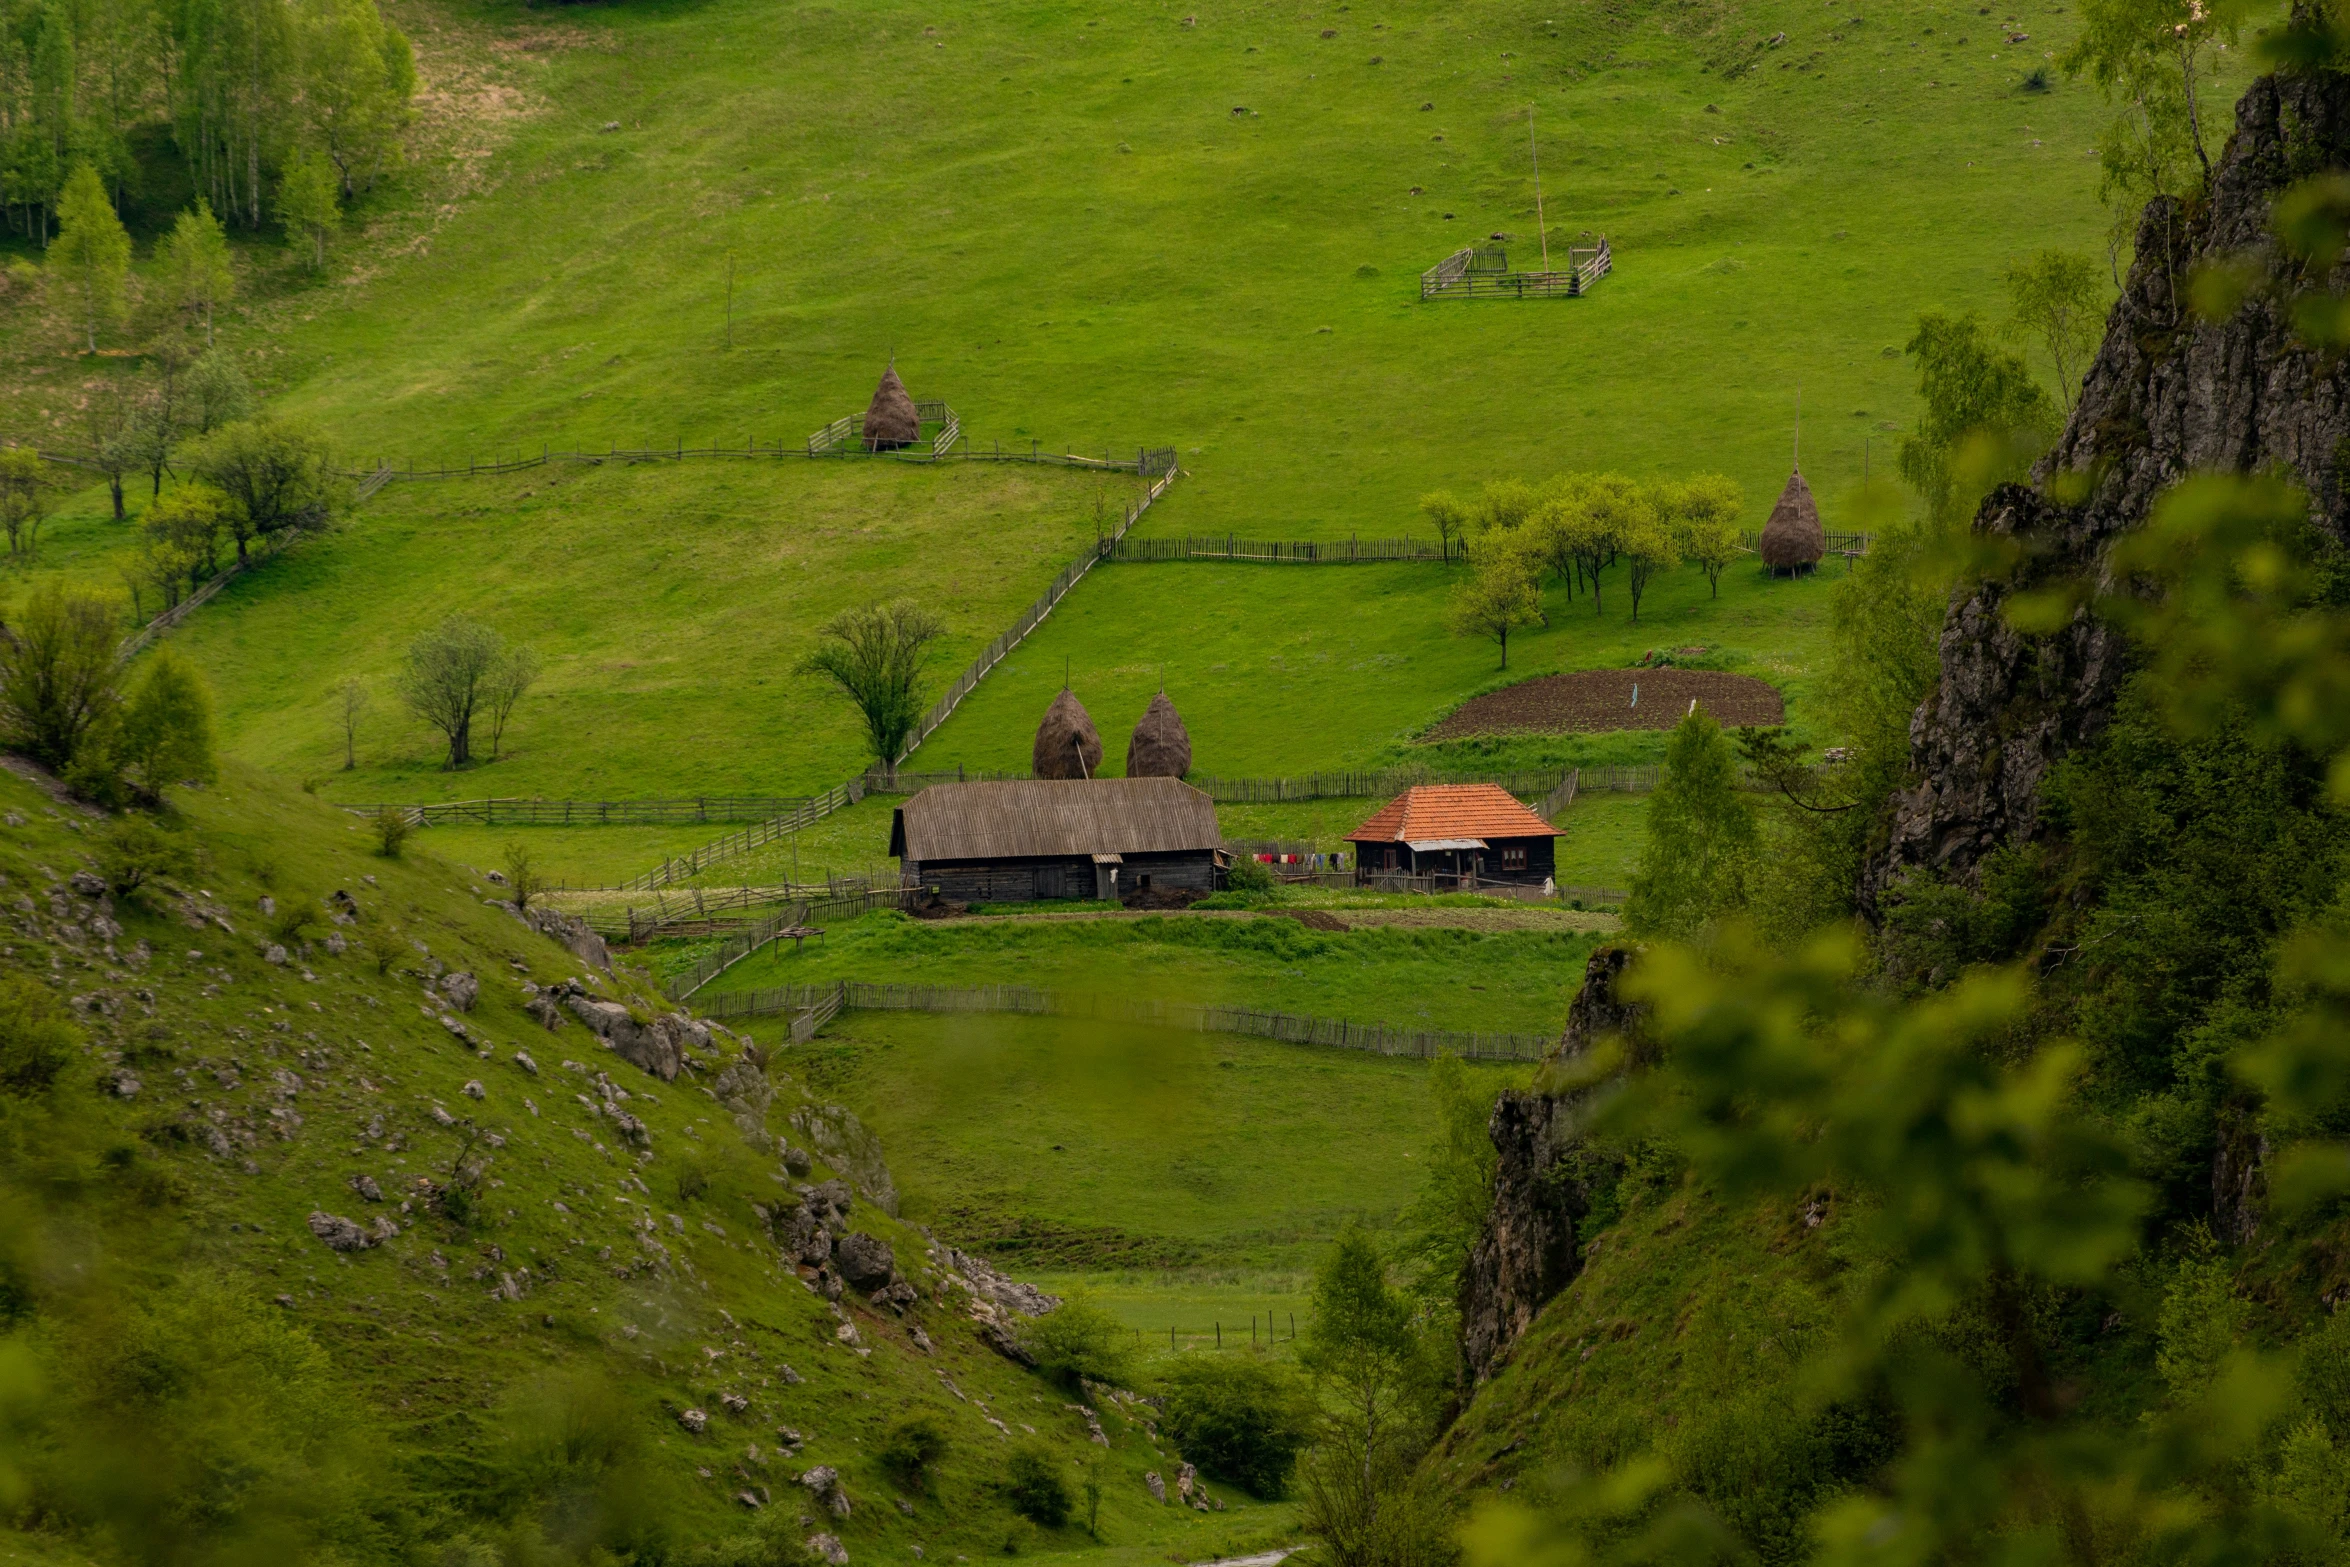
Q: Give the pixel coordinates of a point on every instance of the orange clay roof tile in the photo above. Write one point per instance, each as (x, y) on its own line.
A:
(1428, 812)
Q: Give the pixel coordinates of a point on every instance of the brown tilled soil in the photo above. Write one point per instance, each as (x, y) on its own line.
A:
(1603, 699)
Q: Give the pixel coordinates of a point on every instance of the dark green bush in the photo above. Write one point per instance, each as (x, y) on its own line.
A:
(36, 1035)
(1249, 874)
(134, 849)
(1077, 1341)
(1036, 1488)
(1240, 1418)
(913, 1448)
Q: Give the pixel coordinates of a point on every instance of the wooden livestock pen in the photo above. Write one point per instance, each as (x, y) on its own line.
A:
(1483, 272)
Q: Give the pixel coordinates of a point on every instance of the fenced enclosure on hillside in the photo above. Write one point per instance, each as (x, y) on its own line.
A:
(1483, 272)
(1290, 552)
(1850, 545)
(780, 926)
(1293, 1028)
(684, 867)
(1382, 784)
(517, 812)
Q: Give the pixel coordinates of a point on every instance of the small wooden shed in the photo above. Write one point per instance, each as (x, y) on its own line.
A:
(1026, 839)
(1793, 540)
(1456, 830)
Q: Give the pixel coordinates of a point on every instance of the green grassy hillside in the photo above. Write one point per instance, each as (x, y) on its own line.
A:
(512, 1352)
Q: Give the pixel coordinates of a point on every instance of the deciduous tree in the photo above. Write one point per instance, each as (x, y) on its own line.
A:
(1703, 513)
(1650, 547)
(1985, 418)
(92, 256)
(57, 673)
(454, 673)
(1698, 860)
(1499, 599)
(351, 701)
(277, 474)
(198, 276)
(2055, 297)
(876, 656)
(307, 204)
(26, 495)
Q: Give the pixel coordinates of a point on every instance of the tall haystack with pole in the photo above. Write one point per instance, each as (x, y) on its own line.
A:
(891, 421)
(1161, 747)
(1793, 540)
(1067, 745)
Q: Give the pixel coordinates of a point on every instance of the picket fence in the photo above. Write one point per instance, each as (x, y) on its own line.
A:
(821, 1002)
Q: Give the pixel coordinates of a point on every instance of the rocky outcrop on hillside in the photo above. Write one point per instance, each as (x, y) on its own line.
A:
(1527, 1253)
(2169, 393)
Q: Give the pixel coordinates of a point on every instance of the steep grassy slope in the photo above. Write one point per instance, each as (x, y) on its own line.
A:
(484, 1368)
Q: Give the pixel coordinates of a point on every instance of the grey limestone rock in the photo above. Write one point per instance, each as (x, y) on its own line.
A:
(339, 1233)
(865, 1261)
(462, 989)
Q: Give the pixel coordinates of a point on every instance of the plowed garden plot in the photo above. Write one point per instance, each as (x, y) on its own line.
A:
(1614, 699)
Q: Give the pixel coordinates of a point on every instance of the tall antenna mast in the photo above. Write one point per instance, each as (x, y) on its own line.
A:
(1536, 152)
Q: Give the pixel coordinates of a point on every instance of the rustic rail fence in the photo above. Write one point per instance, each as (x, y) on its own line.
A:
(155, 630)
(842, 906)
(1289, 552)
(1483, 272)
(1344, 785)
(1147, 461)
(520, 812)
(684, 867)
(1376, 1038)
(1850, 545)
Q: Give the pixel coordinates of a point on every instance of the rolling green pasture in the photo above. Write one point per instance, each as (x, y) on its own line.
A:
(671, 607)
(1292, 670)
(1173, 1172)
(1501, 982)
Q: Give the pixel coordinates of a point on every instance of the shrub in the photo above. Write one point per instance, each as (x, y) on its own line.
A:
(134, 849)
(1036, 1488)
(57, 673)
(1077, 1341)
(1249, 874)
(913, 1448)
(392, 828)
(36, 1036)
(1241, 1419)
(165, 733)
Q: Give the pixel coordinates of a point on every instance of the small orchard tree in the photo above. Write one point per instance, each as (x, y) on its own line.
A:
(1498, 600)
(277, 474)
(457, 672)
(164, 733)
(876, 656)
(1650, 548)
(2056, 297)
(26, 495)
(217, 392)
(1444, 509)
(307, 204)
(1703, 514)
(351, 698)
(1699, 859)
(57, 673)
(517, 673)
(92, 257)
(197, 275)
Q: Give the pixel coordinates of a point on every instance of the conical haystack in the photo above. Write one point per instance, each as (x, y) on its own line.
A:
(1067, 745)
(1793, 539)
(1161, 747)
(891, 421)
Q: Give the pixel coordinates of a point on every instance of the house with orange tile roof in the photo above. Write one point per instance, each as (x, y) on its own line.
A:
(1455, 830)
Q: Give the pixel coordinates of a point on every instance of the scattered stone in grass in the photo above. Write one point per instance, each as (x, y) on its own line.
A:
(365, 1186)
(693, 1420)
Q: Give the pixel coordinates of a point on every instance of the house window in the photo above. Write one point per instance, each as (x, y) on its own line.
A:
(1513, 859)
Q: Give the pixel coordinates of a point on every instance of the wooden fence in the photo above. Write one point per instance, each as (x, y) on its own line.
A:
(155, 630)
(1297, 552)
(1849, 545)
(1482, 272)
(1376, 1038)
(1147, 462)
(1032, 616)
(842, 906)
(685, 867)
(516, 812)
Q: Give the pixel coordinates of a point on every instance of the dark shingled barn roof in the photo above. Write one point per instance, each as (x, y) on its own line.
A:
(891, 421)
(1037, 818)
(1793, 537)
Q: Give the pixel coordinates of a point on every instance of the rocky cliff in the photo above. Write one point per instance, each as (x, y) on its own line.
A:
(2168, 393)
(1527, 1253)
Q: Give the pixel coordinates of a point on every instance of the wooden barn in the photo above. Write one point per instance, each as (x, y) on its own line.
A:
(1455, 830)
(1106, 838)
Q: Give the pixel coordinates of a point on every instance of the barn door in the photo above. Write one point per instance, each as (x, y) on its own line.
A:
(1050, 881)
